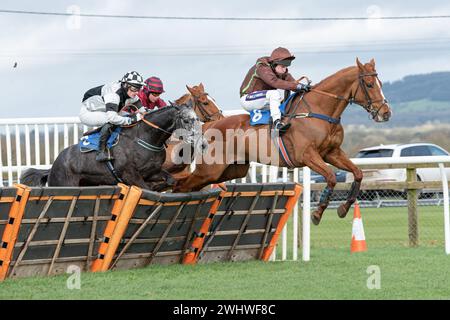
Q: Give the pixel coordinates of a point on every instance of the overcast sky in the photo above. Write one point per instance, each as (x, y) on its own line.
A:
(59, 58)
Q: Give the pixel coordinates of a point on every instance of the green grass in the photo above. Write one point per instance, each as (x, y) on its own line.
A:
(333, 272)
(383, 227)
(419, 273)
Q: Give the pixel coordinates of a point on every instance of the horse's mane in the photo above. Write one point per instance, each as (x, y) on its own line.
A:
(322, 82)
(152, 116)
(160, 110)
(182, 98)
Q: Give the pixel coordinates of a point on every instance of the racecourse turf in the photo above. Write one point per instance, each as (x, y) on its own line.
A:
(421, 272)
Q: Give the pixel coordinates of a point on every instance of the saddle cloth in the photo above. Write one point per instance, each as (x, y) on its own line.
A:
(91, 142)
(262, 116)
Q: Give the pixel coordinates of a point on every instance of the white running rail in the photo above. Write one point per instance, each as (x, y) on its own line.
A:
(20, 147)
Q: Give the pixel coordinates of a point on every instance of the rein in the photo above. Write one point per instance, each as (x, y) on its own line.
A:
(361, 84)
(145, 144)
(150, 146)
(149, 123)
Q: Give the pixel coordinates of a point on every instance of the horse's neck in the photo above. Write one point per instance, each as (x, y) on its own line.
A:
(154, 136)
(339, 84)
(220, 116)
(204, 117)
(183, 99)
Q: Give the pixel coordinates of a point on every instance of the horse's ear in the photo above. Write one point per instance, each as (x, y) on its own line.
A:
(201, 87)
(372, 62)
(191, 90)
(359, 64)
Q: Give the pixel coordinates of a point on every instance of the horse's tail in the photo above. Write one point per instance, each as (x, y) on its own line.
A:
(34, 177)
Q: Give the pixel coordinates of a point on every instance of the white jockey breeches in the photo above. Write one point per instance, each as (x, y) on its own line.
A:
(93, 113)
(264, 99)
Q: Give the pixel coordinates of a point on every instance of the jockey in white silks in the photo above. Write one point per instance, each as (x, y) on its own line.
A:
(101, 106)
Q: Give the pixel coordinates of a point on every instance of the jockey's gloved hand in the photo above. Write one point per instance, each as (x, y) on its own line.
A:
(305, 87)
(135, 118)
(143, 110)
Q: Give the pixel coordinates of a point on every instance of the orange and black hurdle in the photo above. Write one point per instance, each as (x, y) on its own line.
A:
(54, 228)
(46, 230)
(157, 228)
(246, 222)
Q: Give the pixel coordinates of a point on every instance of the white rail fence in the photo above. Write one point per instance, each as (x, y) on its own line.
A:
(21, 141)
(24, 139)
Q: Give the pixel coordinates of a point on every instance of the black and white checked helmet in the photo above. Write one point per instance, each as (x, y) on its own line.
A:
(133, 78)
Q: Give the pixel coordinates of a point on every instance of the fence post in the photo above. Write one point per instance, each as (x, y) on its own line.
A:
(306, 214)
(413, 227)
(446, 208)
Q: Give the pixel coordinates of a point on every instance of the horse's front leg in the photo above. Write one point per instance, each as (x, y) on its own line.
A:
(203, 175)
(161, 180)
(314, 161)
(340, 160)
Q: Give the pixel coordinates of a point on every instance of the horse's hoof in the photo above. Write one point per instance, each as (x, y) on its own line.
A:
(315, 218)
(342, 210)
(222, 186)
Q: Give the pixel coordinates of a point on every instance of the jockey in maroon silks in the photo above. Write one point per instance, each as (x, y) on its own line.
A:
(150, 94)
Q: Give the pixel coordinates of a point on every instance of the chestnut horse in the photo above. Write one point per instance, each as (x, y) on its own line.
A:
(207, 110)
(314, 138)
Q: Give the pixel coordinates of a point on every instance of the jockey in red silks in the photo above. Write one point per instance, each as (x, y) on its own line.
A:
(150, 94)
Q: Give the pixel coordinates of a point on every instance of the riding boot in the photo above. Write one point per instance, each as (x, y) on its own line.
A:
(280, 126)
(103, 153)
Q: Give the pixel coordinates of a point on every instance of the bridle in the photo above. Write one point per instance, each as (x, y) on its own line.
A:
(363, 85)
(201, 107)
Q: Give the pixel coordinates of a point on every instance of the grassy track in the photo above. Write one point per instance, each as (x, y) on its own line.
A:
(332, 273)
(419, 273)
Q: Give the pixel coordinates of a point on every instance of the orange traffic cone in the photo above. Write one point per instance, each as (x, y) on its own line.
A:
(358, 238)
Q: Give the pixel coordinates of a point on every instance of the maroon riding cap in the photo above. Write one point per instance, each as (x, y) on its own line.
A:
(153, 84)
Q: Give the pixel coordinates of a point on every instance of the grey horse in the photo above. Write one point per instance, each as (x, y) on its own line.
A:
(139, 155)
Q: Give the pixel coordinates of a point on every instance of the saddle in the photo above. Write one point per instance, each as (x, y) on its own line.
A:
(262, 116)
(89, 132)
(90, 140)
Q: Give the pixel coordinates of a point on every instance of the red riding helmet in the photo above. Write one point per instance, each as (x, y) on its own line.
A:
(153, 84)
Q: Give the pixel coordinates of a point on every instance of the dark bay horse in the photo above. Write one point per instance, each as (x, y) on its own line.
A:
(314, 139)
(207, 111)
(139, 154)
